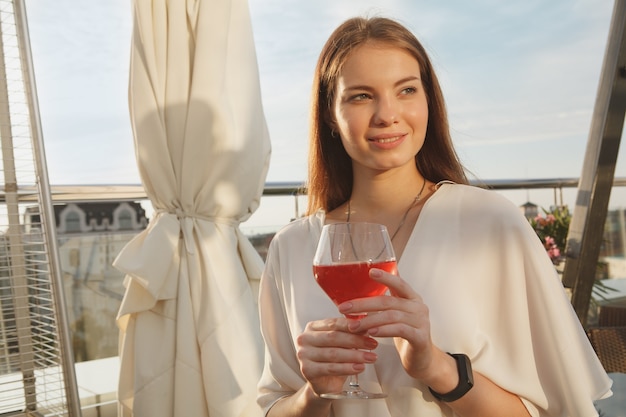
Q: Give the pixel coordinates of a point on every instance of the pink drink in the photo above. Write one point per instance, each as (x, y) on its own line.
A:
(343, 282)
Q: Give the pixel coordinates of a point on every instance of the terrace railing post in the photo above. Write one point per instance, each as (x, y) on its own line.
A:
(594, 189)
(16, 243)
(66, 356)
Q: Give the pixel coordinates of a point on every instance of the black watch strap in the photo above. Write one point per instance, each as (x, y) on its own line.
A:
(466, 379)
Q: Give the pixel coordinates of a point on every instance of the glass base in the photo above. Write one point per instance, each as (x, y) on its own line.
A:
(353, 395)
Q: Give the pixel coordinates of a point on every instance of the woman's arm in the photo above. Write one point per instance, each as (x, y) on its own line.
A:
(484, 399)
(405, 317)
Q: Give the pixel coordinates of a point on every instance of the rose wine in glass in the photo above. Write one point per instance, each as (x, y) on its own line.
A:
(345, 254)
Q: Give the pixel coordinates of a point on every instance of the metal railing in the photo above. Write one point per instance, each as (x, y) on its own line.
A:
(94, 289)
(135, 192)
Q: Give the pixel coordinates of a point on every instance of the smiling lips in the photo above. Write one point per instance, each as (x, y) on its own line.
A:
(387, 138)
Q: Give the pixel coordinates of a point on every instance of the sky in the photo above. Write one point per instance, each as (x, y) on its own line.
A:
(520, 80)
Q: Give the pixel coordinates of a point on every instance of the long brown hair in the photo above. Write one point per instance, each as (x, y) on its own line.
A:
(330, 167)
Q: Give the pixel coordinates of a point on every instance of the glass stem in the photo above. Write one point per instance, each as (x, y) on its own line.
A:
(354, 383)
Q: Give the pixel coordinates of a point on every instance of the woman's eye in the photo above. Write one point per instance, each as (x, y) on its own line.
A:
(409, 90)
(359, 97)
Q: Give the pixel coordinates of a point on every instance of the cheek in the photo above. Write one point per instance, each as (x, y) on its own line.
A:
(349, 124)
(347, 136)
(350, 131)
(420, 119)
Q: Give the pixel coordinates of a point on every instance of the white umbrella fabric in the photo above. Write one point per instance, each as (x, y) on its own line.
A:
(190, 343)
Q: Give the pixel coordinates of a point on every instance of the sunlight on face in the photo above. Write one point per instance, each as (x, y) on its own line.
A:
(381, 109)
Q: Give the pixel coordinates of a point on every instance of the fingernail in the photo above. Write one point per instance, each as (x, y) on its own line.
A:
(343, 307)
(376, 273)
(371, 343)
(354, 324)
(373, 331)
(370, 357)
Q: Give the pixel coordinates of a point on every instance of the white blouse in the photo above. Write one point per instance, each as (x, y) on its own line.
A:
(492, 293)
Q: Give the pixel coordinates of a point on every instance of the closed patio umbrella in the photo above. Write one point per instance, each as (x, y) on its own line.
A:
(189, 336)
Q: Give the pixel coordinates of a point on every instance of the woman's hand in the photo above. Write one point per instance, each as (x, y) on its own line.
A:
(328, 352)
(403, 316)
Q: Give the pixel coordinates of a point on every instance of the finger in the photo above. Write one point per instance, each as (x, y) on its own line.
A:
(397, 286)
(326, 325)
(335, 355)
(329, 339)
(382, 324)
(323, 362)
(337, 324)
(415, 335)
(313, 370)
(369, 305)
(361, 306)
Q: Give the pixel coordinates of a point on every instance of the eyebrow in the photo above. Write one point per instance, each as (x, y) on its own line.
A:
(397, 83)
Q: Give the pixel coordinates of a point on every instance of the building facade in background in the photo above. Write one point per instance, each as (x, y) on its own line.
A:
(90, 235)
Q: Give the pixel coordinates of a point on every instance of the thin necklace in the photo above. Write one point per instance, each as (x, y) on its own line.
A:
(417, 199)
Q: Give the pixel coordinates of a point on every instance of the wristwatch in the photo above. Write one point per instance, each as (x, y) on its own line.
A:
(466, 379)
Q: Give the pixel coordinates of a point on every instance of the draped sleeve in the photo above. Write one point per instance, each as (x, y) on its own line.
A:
(284, 307)
(494, 294)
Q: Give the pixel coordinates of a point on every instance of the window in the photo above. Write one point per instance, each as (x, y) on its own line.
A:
(72, 222)
(125, 220)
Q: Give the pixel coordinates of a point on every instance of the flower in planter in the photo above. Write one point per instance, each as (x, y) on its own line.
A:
(553, 250)
(551, 227)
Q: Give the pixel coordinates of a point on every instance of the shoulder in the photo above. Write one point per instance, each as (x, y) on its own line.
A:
(478, 204)
(299, 227)
(476, 197)
(299, 232)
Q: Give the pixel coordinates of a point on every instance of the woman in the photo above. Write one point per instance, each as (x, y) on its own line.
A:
(476, 292)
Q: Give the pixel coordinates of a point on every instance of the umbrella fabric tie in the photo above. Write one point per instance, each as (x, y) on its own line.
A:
(187, 221)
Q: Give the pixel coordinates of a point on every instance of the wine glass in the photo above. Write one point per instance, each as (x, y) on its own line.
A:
(345, 254)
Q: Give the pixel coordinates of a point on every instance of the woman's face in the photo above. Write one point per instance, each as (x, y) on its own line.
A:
(380, 109)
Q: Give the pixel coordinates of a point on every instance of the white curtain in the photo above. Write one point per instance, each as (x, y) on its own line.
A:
(190, 344)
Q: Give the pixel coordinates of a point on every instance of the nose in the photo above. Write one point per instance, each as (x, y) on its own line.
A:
(386, 112)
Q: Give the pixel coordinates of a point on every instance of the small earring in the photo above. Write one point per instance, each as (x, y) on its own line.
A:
(334, 133)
